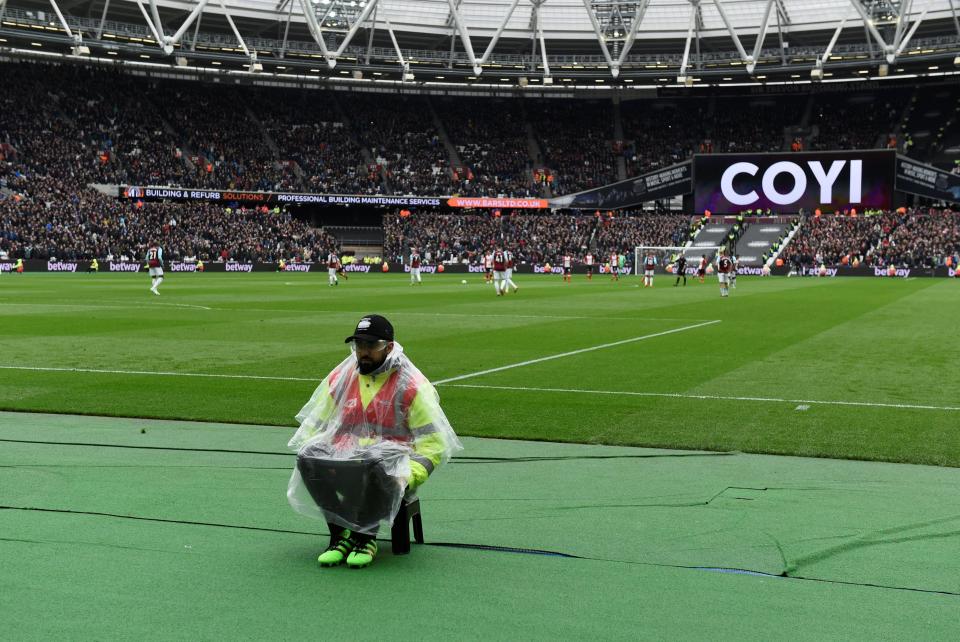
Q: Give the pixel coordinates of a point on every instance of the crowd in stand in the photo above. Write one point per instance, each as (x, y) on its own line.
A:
(922, 239)
(576, 139)
(224, 138)
(45, 221)
(65, 128)
(401, 136)
(534, 238)
(910, 238)
(493, 150)
(309, 131)
(860, 121)
(126, 129)
(659, 134)
(827, 239)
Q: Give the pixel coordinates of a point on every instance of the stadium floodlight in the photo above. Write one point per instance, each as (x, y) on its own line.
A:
(78, 48)
(547, 80)
(956, 61)
(816, 74)
(681, 80)
(357, 74)
(522, 81)
(181, 61)
(883, 70)
(408, 76)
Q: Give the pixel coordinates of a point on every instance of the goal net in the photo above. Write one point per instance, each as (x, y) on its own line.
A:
(666, 257)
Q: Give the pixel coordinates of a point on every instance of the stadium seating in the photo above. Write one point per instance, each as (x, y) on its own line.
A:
(67, 128)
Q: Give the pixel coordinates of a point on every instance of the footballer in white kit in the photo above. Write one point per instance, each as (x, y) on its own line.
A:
(488, 268)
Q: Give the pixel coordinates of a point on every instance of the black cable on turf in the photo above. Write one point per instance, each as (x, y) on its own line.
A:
(459, 460)
(498, 549)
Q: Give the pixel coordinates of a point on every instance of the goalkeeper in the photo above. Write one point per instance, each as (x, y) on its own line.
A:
(372, 432)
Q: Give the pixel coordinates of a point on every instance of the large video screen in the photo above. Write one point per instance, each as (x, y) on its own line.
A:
(831, 181)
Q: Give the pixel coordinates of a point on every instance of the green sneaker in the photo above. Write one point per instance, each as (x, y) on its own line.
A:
(363, 555)
(338, 551)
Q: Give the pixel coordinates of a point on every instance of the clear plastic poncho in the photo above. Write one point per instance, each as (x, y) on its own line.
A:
(353, 463)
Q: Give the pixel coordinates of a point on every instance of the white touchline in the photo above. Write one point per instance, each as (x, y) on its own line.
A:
(573, 352)
(360, 312)
(542, 316)
(183, 305)
(111, 306)
(676, 395)
(157, 374)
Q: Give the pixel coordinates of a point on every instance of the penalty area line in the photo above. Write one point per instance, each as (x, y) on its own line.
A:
(574, 352)
(677, 395)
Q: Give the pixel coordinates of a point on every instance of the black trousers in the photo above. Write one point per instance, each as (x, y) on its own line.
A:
(358, 492)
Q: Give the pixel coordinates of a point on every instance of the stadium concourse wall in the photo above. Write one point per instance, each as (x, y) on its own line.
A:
(242, 267)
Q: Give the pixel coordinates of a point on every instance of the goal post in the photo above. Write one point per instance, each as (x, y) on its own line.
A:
(667, 254)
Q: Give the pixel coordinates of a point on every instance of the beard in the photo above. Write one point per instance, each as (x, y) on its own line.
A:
(366, 366)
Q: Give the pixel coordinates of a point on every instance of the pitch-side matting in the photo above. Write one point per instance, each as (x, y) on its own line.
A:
(137, 528)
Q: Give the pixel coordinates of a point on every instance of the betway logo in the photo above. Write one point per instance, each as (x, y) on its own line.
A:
(538, 269)
(755, 271)
(904, 272)
(952, 273)
(475, 268)
(356, 268)
(816, 271)
(426, 269)
(61, 266)
(298, 267)
(8, 267)
(123, 267)
(603, 270)
(180, 266)
(238, 267)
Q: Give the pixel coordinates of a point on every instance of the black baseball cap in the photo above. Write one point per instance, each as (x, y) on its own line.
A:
(372, 327)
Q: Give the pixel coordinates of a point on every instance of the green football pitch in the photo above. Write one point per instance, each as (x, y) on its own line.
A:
(672, 514)
(845, 368)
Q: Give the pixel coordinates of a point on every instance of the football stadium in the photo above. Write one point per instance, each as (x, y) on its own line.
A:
(479, 319)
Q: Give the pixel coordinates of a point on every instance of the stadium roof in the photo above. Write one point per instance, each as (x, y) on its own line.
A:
(476, 40)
